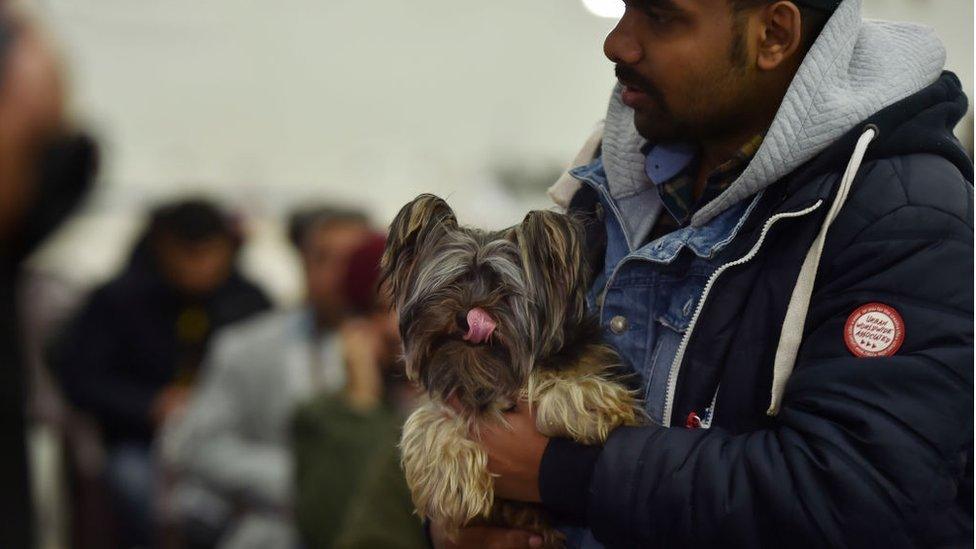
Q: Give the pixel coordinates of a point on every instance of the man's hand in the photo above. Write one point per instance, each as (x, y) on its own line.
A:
(169, 402)
(485, 537)
(362, 344)
(514, 454)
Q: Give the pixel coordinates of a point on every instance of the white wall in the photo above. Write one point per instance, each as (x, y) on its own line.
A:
(266, 104)
(271, 102)
(952, 20)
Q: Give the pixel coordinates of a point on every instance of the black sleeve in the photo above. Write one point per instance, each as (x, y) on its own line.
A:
(864, 452)
(88, 361)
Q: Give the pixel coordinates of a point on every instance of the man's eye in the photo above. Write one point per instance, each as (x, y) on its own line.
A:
(658, 16)
(655, 13)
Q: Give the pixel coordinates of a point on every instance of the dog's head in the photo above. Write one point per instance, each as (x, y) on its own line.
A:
(477, 310)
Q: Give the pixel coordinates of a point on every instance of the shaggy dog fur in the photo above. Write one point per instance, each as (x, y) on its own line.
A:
(531, 281)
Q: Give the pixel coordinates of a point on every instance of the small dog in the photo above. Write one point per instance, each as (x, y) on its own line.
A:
(488, 319)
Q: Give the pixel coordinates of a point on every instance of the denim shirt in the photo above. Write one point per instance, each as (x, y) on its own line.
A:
(644, 305)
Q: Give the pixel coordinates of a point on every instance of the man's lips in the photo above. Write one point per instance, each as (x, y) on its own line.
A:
(633, 97)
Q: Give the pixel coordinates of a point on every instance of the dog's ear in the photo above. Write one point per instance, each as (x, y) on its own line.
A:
(421, 221)
(551, 245)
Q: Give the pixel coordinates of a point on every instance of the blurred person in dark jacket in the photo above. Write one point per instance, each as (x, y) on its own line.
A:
(131, 355)
(231, 451)
(45, 170)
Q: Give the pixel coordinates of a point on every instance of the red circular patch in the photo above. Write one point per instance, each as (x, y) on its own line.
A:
(874, 330)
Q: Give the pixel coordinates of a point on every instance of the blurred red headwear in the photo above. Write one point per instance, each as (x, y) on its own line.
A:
(363, 273)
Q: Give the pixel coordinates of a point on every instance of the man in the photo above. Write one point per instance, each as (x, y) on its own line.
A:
(45, 171)
(788, 268)
(131, 355)
(231, 448)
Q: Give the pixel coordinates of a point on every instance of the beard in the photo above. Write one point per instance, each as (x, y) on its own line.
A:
(711, 105)
(655, 123)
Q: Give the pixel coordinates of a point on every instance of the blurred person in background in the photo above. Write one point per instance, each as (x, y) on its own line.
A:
(131, 354)
(231, 451)
(347, 473)
(45, 170)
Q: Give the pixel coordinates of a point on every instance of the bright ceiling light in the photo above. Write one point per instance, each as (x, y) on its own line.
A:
(605, 8)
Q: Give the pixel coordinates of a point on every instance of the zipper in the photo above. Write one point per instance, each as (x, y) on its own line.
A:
(630, 256)
(679, 357)
(706, 422)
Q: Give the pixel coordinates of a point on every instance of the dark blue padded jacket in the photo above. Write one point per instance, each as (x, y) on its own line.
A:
(864, 451)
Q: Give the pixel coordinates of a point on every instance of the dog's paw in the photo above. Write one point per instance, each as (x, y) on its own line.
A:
(446, 471)
(584, 408)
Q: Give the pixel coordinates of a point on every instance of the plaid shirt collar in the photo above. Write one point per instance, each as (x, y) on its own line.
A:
(677, 187)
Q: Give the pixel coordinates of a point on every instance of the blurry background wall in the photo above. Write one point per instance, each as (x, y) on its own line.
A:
(267, 104)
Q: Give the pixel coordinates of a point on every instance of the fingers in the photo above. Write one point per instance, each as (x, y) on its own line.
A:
(498, 538)
(357, 330)
(517, 539)
(486, 537)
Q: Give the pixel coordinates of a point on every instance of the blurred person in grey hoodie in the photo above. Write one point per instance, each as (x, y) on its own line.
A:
(231, 450)
(781, 226)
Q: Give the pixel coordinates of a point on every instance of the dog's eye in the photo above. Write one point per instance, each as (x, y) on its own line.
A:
(482, 394)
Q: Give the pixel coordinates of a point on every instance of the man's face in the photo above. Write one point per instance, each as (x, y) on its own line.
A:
(683, 67)
(325, 254)
(196, 268)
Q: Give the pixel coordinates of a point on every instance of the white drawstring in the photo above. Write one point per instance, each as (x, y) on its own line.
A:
(796, 314)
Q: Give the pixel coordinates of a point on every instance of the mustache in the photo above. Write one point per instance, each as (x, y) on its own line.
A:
(632, 79)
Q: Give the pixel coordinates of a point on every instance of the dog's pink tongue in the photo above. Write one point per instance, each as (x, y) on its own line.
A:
(480, 326)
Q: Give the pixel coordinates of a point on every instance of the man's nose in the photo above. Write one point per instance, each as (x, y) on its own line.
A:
(621, 47)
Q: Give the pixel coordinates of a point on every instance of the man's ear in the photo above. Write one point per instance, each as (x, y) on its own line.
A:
(781, 35)
(420, 222)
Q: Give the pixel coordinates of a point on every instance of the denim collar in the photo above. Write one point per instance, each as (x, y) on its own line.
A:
(705, 241)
